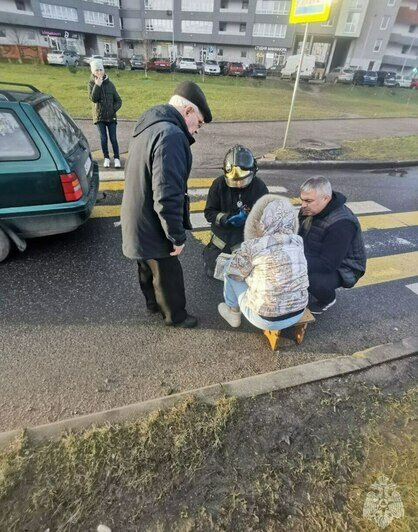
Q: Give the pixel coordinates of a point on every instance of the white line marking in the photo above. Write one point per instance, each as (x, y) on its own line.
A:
(413, 287)
(366, 207)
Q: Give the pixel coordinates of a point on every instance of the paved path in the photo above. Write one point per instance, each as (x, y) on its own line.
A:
(215, 138)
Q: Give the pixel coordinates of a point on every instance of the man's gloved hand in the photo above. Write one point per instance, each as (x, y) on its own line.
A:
(238, 220)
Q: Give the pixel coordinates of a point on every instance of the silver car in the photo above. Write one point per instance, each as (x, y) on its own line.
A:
(63, 57)
(340, 75)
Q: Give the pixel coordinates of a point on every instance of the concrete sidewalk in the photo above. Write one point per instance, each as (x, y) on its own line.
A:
(262, 137)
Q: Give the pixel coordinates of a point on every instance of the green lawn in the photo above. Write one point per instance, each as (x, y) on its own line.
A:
(230, 99)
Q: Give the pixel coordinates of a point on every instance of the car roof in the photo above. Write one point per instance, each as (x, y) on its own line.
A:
(17, 95)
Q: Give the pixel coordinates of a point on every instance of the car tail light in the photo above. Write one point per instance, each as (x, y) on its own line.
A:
(71, 186)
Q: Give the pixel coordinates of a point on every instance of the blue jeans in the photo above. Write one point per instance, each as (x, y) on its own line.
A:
(235, 296)
(110, 127)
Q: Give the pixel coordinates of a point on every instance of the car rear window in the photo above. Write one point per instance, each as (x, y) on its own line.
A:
(63, 129)
(15, 143)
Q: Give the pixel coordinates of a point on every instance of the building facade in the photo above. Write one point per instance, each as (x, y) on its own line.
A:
(369, 34)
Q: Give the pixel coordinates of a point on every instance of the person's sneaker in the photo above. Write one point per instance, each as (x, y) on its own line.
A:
(117, 163)
(317, 308)
(233, 317)
(106, 163)
(188, 323)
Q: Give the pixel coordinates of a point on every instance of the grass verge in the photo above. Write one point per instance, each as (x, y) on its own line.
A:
(229, 98)
(385, 149)
(298, 460)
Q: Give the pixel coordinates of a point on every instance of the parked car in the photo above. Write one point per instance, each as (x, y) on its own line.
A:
(186, 64)
(275, 70)
(113, 61)
(137, 62)
(370, 78)
(48, 180)
(255, 70)
(403, 81)
(90, 58)
(211, 67)
(290, 68)
(63, 57)
(340, 75)
(159, 65)
(234, 69)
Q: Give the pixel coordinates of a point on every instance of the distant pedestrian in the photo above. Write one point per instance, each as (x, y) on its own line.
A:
(333, 242)
(155, 210)
(106, 103)
(230, 200)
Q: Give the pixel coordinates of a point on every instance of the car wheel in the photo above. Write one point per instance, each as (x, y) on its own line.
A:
(4, 245)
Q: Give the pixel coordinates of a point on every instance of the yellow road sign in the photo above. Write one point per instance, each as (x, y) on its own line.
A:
(306, 11)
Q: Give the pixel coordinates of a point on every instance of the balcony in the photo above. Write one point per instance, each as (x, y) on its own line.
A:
(403, 38)
(409, 61)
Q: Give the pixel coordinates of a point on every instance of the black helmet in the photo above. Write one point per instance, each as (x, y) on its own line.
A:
(240, 167)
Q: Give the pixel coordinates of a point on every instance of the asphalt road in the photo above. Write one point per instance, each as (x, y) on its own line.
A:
(215, 138)
(75, 337)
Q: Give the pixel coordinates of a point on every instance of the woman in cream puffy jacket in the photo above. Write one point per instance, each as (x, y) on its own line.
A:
(267, 279)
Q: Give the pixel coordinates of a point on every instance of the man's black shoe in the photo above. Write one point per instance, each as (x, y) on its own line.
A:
(318, 308)
(188, 323)
(153, 308)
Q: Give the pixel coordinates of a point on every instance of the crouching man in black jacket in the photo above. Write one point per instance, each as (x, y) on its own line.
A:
(333, 242)
(154, 211)
(230, 199)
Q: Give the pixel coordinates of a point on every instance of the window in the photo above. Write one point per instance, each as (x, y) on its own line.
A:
(405, 48)
(63, 129)
(243, 27)
(412, 28)
(197, 5)
(15, 143)
(99, 19)
(59, 12)
(222, 26)
(158, 24)
(377, 45)
(269, 30)
(107, 48)
(2, 33)
(391, 3)
(244, 4)
(220, 52)
(264, 7)
(385, 22)
(352, 22)
(196, 26)
(357, 4)
(20, 5)
(159, 5)
(243, 53)
(224, 4)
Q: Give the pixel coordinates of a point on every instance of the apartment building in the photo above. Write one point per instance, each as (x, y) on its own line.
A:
(401, 52)
(86, 26)
(233, 30)
(368, 34)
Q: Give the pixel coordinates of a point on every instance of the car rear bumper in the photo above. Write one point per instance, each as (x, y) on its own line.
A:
(43, 220)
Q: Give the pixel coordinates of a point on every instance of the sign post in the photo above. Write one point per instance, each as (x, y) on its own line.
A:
(304, 12)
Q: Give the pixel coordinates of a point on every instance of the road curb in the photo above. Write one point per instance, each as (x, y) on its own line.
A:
(247, 387)
(333, 165)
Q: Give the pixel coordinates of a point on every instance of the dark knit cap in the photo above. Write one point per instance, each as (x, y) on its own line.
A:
(194, 94)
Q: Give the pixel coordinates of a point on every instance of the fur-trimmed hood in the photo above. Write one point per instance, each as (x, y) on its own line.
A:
(271, 214)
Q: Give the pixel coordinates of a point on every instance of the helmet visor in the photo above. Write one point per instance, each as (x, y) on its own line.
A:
(237, 172)
(241, 181)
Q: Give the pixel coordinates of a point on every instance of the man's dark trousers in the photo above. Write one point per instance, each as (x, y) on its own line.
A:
(323, 285)
(162, 283)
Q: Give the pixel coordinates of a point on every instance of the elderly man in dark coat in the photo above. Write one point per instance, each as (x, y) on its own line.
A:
(155, 204)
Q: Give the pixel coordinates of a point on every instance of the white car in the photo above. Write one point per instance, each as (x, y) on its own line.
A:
(186, 64)
(63, 57)
(403, 81)
(87, 60)
(212, 68)
(340, 75)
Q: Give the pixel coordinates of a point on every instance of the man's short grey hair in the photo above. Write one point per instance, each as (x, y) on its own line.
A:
(181, 103)
(319, 183)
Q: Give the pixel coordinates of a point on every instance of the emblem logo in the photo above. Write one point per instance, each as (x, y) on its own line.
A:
(383, 503)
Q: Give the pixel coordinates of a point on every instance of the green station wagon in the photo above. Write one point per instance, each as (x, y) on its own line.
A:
(48, 180)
